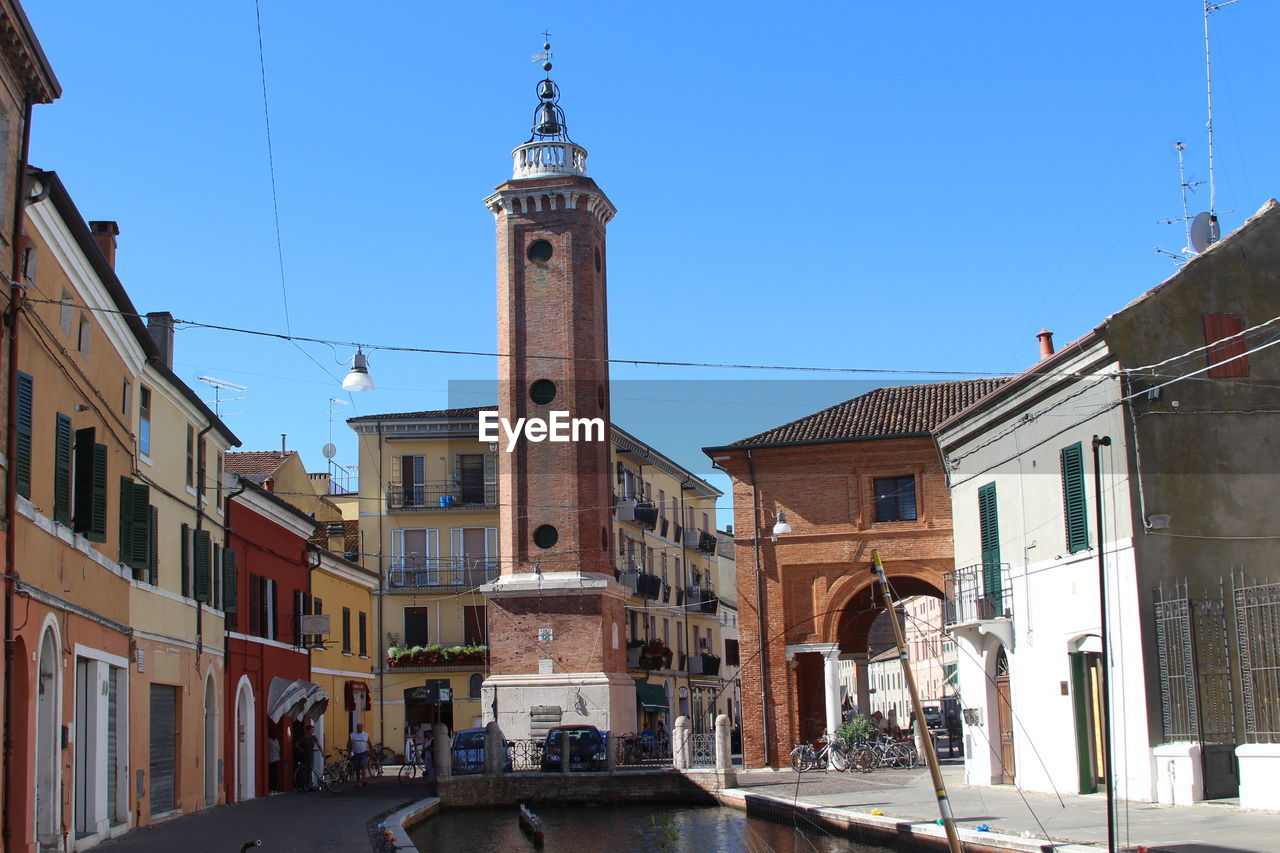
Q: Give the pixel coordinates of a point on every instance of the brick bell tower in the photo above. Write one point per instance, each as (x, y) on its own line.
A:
(556, 623)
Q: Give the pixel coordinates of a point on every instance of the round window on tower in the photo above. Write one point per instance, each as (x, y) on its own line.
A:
(542, 391)
(539, 251)
(546, 536)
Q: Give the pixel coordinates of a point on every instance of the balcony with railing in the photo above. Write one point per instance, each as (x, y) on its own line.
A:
(640, 582)
(703, 597)
(548, 158)
(436, 573)
(441, 496)
(978, 593)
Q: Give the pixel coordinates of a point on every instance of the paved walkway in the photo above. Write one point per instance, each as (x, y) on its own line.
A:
(310, 822)
(1205, 828)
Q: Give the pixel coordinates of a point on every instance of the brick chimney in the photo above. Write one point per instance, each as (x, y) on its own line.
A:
(160, 325)
(1046, 343)
(104, 234)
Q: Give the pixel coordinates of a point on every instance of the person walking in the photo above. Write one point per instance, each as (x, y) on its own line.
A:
(428, 756)
(358, 745)
(954, 733)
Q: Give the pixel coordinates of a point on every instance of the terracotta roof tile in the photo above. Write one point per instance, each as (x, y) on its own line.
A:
(882, 413)
(255, 463)
(437, 414)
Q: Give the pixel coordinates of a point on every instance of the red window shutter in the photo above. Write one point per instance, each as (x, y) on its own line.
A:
(1218, 327)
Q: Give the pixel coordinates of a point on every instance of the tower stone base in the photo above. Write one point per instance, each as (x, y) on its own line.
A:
(556, 648)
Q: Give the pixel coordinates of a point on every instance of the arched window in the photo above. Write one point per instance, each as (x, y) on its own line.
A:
(474, 687)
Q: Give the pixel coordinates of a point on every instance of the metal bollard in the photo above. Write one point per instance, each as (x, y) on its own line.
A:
(443, 751)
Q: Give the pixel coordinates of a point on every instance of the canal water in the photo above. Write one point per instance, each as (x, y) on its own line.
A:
(610, 829)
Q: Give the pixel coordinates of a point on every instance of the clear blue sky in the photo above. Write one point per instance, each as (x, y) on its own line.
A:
(896, 185)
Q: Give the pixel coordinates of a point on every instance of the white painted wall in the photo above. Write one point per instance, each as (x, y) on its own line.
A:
(1055, 594)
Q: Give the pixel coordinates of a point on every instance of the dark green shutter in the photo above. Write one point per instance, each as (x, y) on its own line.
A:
(126, 523)
(229, 581)
(25, 417)
(1073, 500)
(185, 565)
(98, 519)
(989, 525)
(217, 577)
(204, 585)
(62, 470)
(153, 550)
(139, 527)
(82, 492)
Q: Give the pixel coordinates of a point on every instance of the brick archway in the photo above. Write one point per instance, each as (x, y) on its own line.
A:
(853, 602)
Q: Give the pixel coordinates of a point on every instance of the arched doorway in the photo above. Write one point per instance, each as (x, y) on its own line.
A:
(1004, 715)
(246, 738)
(210, 742)
(48, 714)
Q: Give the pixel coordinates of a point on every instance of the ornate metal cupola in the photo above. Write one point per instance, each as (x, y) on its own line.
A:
(549, 152)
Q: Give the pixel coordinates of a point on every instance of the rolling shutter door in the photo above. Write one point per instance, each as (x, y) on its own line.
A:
(164, 710)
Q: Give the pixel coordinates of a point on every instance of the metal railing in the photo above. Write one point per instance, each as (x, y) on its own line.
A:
(441, 496)
(418, 572)
(977, 593)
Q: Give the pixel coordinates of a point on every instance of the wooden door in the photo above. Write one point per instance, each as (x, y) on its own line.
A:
(1004, 705)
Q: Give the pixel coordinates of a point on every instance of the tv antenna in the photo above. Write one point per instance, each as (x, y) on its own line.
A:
(218, 399)
(1208, 231)
(1186, 218)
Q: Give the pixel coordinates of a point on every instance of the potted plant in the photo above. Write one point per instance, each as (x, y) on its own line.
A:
(656, 654)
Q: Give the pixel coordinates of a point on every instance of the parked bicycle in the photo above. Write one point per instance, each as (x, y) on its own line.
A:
(331, 778)
(883, 752)
(832, 751)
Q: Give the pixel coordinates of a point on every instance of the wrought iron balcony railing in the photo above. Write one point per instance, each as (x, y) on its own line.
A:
(978, 593)
(440, 496)
(422, 572)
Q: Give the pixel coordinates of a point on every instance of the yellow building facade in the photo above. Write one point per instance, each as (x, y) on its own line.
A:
(117, 721)
(428, 510)
(343, 664)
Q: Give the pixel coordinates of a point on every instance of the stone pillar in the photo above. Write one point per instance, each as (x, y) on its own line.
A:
(831, 687)
(724, 752)
(442, 752)
(495, 750)
(681, 743)
(862, 670)
(610, 753)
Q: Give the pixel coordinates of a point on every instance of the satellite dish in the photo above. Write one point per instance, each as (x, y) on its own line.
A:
(329, 451)
(1204, 231)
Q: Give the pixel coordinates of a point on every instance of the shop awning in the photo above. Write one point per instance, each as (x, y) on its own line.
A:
(295, 699)
(355, 696)
(651, 696)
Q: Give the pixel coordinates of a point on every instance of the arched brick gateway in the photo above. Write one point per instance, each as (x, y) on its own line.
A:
(862, 475)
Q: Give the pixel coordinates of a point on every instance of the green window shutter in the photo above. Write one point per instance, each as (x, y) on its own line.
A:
(62, 470)
(126, 523)
(204, 567)
(1073, 498)
(82, 481)
(229, 604)
(989, 527)
(98, 518)
(185, 565)
(217, 577)
(153, 549)
(140, 527)
(24, 417)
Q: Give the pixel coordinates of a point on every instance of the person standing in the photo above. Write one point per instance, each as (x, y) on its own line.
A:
(273, 763)
(358, 744)
(305, 749)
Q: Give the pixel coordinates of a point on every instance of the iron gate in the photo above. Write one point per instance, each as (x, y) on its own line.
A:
(1214, 648)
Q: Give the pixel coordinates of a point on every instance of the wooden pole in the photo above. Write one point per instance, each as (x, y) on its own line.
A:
(930, 754)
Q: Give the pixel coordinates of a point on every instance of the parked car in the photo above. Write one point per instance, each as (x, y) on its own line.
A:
(932, 716)
(468, 752)
(586, 748)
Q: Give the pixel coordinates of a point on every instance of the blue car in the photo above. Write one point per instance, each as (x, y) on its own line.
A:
(587, 746)
(468, 752)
